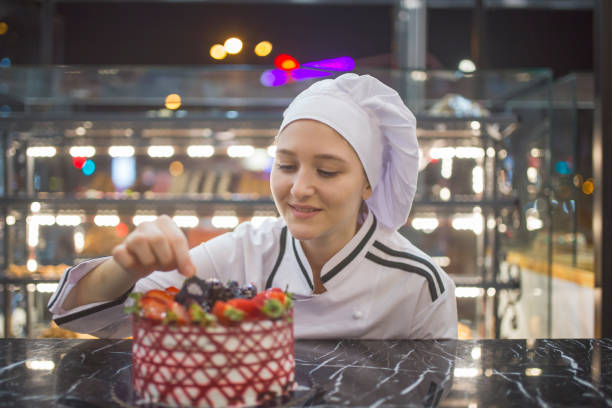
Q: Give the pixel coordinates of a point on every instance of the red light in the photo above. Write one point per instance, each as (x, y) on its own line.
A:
(286, 62)
(121, 229)
(79, 162)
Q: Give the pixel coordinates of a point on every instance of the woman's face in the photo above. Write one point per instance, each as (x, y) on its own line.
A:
(317, 182)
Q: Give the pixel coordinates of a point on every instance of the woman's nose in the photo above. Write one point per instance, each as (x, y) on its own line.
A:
(302, 185)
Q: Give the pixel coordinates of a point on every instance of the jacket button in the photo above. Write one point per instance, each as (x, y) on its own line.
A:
(357, 314)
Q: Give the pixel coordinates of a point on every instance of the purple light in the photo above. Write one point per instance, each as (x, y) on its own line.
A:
(302, 74)
(334, 64)
(274, 77)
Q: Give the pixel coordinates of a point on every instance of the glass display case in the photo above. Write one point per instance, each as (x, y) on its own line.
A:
(90, 152)
(553, 257)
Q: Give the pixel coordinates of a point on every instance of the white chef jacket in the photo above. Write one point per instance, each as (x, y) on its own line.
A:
(379, 286)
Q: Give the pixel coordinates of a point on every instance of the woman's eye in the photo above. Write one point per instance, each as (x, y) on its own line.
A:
(285, 167)
(326, 173)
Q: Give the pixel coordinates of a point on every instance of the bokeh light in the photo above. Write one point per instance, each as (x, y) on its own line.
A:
(5, 62)
(233, 45)
(588, 187)
(274, 77)
(122, 229)
(563, 167)
(218, 52)
(578, 180)
(285, 62)
(333, 64)
(467, 66)
(88, 168)
(3, 28)
(263, 48)
(79, 162)
(173, 101)
(176, 168)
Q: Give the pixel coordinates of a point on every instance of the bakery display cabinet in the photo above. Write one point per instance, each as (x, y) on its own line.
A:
(552, 258)
(90, 152)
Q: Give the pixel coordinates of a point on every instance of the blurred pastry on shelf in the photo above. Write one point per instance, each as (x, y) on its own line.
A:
(54, 331)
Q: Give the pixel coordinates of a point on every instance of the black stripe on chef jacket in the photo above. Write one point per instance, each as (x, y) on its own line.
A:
(86, 312)
(427, 270)
(334, 270)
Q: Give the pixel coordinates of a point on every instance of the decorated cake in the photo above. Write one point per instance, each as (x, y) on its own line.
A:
(212, 345)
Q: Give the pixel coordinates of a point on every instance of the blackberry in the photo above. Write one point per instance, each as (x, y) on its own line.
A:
(248, 292)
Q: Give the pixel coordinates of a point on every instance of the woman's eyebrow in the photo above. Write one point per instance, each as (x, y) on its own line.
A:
(322, 156)
(285, 152)
(329, 157)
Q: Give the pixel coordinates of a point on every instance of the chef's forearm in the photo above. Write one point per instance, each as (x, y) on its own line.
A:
(105, 283)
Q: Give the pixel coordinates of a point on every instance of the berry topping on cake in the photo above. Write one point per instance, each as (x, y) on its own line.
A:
(208, 302)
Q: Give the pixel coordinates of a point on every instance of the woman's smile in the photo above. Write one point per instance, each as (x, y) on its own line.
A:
(303, 212)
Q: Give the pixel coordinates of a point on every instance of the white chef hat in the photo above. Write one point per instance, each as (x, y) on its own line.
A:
(375, 121)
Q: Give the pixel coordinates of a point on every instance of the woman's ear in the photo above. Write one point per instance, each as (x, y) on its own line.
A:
(367, 191)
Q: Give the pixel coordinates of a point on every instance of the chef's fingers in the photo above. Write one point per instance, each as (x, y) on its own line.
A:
(158, 242)
(125, 259)
(178, 243)
(138, 246)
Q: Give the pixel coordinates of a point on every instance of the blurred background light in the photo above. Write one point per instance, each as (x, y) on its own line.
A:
(176, 168)
(240, 151)
(224, 221)
(140, 218)
(41, 151)
(273, 77)
(160, 151)
(271, 150)
(186, 221)
(173, 101)
(123, 172)
(233, 45)
(218, 52)
(588, 187)
(121, 151)
(88, 168)
(285, 62)
(467, 66)
(106, 220)
(82, 151)
(200, 151)
(418, 76)
(263, 48)
(79, 241)
(333, 64)
(79, 162)
(3, 28)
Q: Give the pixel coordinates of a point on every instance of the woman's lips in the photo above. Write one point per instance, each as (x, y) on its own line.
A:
(303, 211)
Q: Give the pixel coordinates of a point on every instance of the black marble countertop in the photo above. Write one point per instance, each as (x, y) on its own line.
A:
(473, 374)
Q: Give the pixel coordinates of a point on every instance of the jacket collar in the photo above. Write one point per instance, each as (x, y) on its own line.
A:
(352, 251)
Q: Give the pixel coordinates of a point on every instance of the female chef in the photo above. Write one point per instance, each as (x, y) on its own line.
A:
(343, 181)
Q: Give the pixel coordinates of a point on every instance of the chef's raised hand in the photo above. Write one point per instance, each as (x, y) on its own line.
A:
(159, 245)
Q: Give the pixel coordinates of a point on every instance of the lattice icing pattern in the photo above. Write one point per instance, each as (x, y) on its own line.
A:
(213, 367)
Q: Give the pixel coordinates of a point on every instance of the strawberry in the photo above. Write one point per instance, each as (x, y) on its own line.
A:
(227, 314)
(283, 297)
(249, 307)
(161, 295)
(152, 308)
(172, 290)
(176, 313)
(270, 307)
